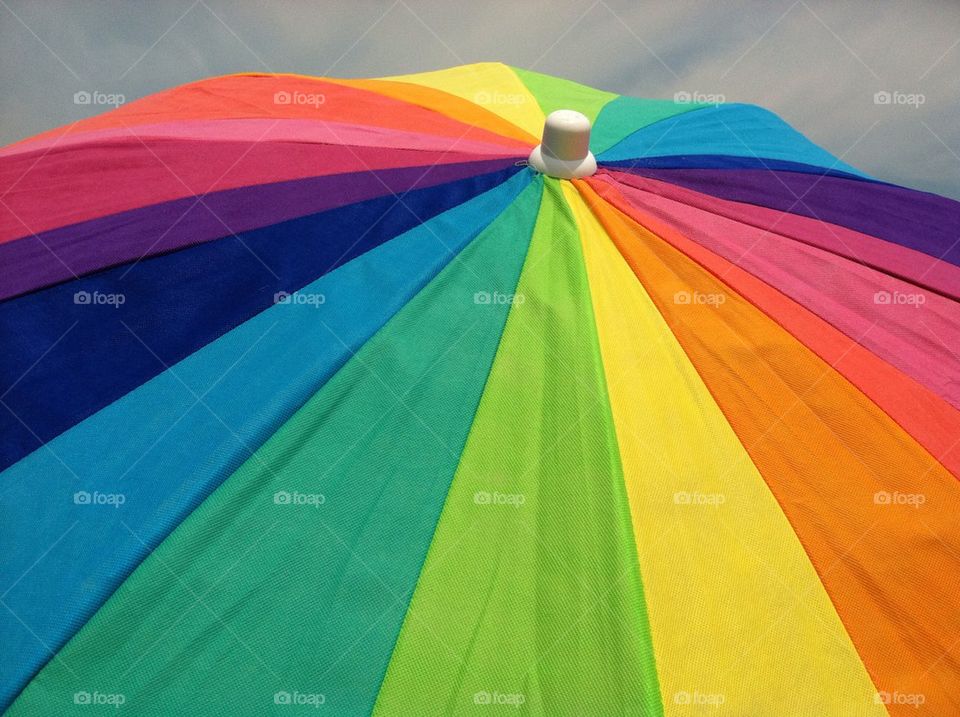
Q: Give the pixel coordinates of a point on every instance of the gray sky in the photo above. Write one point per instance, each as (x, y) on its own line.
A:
(817, 64)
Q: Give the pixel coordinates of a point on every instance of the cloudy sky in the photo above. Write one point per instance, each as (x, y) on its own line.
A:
(817, 64)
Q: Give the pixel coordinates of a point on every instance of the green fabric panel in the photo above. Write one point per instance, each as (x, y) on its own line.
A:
(556, 93)
(250, 599)
(625, 115)
(531, 590)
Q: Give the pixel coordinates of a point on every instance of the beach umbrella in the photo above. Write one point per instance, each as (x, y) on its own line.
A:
(471, 391)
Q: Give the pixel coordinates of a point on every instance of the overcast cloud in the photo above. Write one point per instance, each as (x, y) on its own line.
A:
(817, 64)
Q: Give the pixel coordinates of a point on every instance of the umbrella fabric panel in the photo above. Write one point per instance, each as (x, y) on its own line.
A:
(278, 96)
(61, 190)
(912, 335)
(531, 588)
(268, 586)
(106, 241)
(727, 582)
(490, 85)
(657, 454)
(173, 304)
(918, 220)
(461, 109)
(830, 456)
(920, 269)
(311, 131)
(925, 416)
(725, 162)
(190, 427)
(623, 116)
(728, 130)
(556, 93)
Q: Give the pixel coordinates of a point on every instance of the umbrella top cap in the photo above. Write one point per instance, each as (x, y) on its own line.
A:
(564, 152)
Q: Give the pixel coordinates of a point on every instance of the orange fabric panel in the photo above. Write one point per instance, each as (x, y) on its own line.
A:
(451, 106)
(874, 511)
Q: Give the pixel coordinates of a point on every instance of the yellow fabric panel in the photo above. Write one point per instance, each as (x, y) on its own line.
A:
(493, 86)
(740, 622)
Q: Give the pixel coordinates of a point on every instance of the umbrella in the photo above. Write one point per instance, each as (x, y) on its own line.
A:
(475, 390)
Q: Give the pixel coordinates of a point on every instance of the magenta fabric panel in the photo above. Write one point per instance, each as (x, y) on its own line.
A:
(265, 130)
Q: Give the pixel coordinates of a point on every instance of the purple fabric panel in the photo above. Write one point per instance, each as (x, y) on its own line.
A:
(919, 220)
(33, 262)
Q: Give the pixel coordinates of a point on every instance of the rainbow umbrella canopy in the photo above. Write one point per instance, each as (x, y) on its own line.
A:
(318, 398)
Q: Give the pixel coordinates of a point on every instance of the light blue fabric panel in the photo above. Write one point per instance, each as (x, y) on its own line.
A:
(734, 130)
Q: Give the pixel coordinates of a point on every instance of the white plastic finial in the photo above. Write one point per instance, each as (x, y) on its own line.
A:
(564, 151)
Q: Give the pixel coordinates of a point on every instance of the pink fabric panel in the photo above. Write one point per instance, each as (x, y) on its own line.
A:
(272, 130)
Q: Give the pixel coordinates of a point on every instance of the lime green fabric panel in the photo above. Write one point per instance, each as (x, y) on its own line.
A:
(623, 116)
(556, 93)
(292, 579)
(531, 592)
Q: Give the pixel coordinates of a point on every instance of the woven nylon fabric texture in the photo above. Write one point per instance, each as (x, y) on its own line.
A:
(531, 593)
(833, 459)
(728, 583)
(294, 576)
